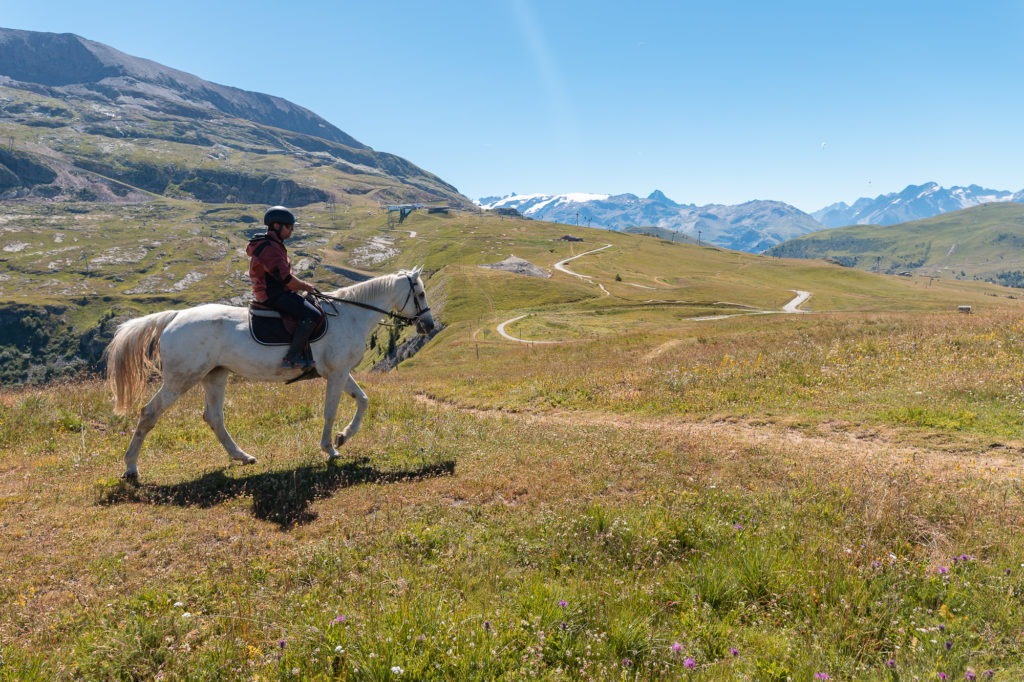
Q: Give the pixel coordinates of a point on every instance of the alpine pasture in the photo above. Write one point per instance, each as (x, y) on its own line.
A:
(832, 494)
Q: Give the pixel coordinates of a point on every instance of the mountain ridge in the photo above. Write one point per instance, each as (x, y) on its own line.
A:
(118, 128)
(68, 63)
(752, 226)
(914, 202)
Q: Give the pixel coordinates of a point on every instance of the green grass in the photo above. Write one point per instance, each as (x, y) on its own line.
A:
(772, 496)
(553, 542)
(982, 242)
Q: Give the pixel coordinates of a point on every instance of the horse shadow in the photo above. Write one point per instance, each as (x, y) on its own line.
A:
(281, 497)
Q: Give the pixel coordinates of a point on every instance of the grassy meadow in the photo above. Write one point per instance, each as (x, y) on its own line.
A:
(834, 495)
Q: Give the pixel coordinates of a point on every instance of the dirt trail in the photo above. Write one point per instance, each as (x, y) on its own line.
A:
(850, 443)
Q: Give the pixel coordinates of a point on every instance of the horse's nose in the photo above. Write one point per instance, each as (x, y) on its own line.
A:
(425, 325)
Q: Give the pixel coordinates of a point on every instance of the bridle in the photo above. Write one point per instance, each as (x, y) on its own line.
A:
(398, 317)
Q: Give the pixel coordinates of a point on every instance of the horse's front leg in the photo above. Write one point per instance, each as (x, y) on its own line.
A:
(335, 385)
(352, 388)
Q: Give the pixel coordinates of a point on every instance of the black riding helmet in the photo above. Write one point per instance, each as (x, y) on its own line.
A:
(278, 214)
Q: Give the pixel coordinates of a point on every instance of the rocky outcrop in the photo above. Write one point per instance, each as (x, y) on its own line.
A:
(19, 170)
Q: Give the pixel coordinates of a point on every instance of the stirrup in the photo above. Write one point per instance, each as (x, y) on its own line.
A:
(301, 363)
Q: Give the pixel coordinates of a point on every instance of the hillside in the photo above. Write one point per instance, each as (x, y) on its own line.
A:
(984, 242)
(97, 124)
(683, 487)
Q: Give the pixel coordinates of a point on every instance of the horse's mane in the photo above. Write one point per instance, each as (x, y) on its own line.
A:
(360, 291)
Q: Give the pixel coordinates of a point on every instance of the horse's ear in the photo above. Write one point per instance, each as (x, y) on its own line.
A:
(417, 270)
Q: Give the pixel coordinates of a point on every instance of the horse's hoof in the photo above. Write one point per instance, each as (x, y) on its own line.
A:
(339, 440)
(130, 477)
(249, 460)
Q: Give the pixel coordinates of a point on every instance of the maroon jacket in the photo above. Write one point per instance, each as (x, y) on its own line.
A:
(270, 269)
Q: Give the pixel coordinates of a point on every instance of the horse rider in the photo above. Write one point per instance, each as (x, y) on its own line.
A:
(274, 285)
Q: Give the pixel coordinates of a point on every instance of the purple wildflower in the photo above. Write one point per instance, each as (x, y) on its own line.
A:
(338, 621)
(677, 647)
(735, 652)
(949, 645)
(281, 643)
(943, 570)
(487, 625)
(626, 663)
(942, 628)
(989, 674)
(970, 675)
(563, 603)
(942, 676)
(738, 526)
(822, 676)
(891, 663)
(689, 663)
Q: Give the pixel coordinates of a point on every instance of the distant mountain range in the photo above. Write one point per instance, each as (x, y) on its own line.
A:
(916, 202)
(84, 121)
(753, 226)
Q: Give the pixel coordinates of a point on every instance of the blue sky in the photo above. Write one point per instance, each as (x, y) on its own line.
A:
(803, 102)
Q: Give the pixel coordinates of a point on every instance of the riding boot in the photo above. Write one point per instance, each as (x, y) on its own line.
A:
(295, 356)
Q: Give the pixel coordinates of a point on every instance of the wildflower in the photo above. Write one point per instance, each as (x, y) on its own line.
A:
(562, 625)
(943, 570)
(942, 628)
(487, 625)
(563, 603)
(737, 526)
(970, 675)
(282, 643)
(949, 645)
(942, 676)
(988, 674)
(890, 663)
(626, 663)
(178, 604)
(396, 670)
(1007, 571)
(689, 663)
(822, 676)
(677, 647)
(186, 615)
(339, 650)
(338, 621)
(735, 652)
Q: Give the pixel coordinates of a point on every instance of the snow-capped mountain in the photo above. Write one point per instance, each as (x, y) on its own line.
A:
(753, 226)
(913, 203)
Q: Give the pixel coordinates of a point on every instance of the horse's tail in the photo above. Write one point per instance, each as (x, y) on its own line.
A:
(133, 354)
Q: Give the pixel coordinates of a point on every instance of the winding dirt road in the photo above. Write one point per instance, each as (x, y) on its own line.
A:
(791, 307)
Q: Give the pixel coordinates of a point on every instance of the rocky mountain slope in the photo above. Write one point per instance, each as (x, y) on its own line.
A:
(83, 121)
(752, 226)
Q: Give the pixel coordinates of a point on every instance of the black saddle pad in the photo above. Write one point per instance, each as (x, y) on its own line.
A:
(267, 327)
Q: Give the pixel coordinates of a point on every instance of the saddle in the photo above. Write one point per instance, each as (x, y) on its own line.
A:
(269, 327)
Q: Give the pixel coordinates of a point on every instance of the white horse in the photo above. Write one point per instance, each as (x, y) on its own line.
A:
(205, 343)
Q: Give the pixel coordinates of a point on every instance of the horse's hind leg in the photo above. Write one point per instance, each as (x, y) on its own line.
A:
(163, 399)
(215, 384)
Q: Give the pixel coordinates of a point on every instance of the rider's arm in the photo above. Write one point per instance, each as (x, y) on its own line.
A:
(296, 284)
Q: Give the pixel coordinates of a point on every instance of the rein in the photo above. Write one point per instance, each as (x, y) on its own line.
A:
(402, 320)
